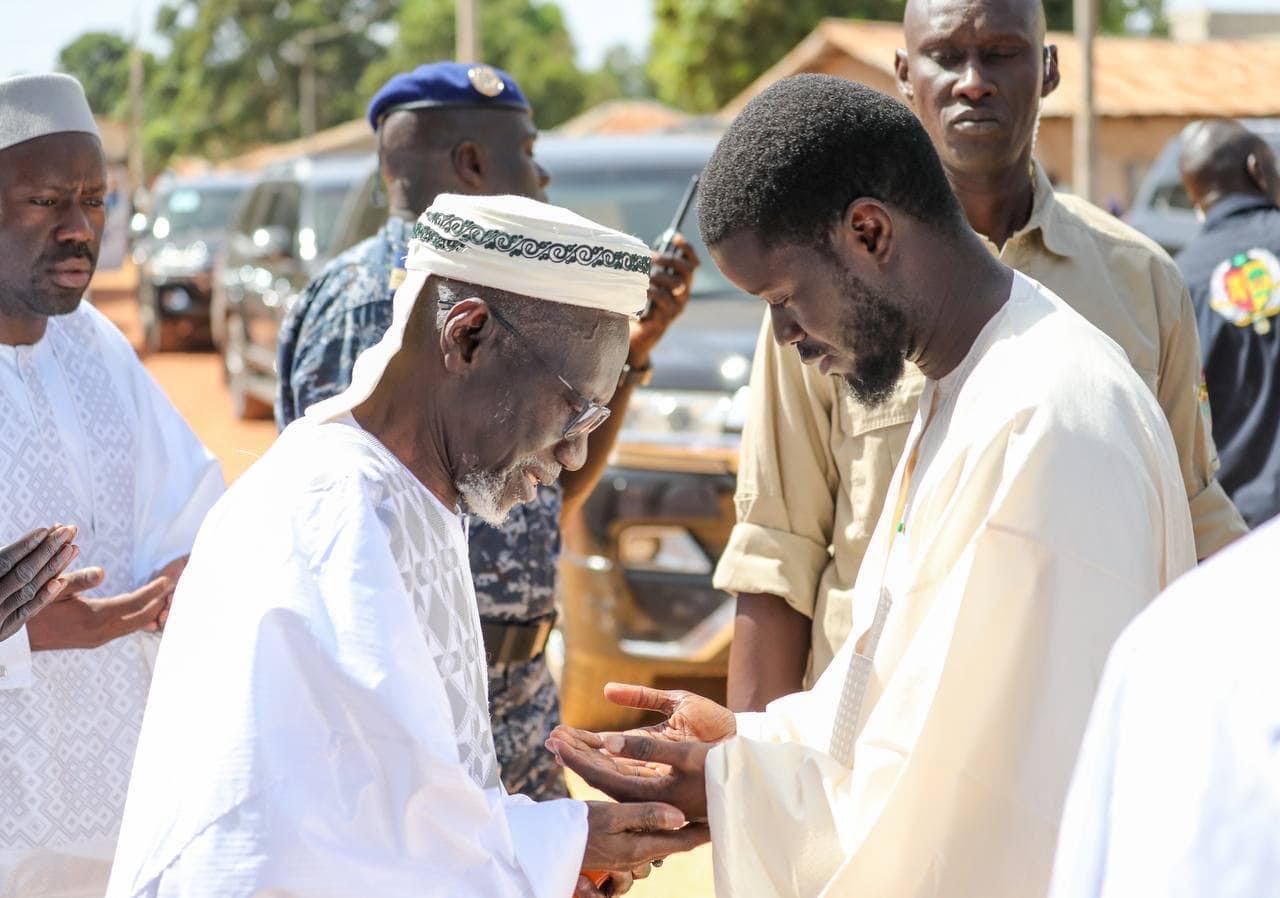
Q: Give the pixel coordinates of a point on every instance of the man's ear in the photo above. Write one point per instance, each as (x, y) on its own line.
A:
(470, 165)
(465, 327)
(866, 232)
(1052, 74)
(902, 73)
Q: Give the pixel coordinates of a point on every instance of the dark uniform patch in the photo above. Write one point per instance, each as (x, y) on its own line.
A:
(340, 314)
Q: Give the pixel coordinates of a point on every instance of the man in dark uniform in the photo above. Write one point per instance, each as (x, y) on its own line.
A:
(1232, 268)
(456, 128)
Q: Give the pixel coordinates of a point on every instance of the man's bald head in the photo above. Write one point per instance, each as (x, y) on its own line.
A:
(1222, 157)
(1030, 13)
(457, 149)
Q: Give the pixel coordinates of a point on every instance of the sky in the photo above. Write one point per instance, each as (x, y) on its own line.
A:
(32, 35)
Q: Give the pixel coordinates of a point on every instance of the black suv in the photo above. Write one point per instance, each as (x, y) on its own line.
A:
(285, 231)
(175, 252)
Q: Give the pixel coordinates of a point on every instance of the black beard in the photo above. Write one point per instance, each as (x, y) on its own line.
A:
(876, 335)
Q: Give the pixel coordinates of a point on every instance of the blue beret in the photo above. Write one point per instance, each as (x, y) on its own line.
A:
(446, 84)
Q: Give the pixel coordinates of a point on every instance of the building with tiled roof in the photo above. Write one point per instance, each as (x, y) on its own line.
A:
(1145, 89)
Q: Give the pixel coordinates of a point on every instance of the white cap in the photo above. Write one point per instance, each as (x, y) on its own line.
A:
(509, 243)
(34, 106)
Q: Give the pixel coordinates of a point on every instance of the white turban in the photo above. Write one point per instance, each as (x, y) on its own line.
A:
(509, 243)
(34, 106)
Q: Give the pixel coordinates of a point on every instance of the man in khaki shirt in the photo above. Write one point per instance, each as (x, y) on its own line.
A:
(816, 465)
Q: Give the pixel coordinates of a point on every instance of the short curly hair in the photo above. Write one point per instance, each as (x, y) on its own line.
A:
(804, 149)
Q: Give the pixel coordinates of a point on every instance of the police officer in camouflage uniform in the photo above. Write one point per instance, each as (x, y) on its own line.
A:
(456, 128)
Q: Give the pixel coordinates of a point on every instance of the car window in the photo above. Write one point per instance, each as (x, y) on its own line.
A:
(187, 210)
(326, 204)
(1171, 196)
(372, 213)
(640, 203)
(282, 206)
(251, 209)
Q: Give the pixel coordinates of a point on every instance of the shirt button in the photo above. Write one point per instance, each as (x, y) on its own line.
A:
(4, 671)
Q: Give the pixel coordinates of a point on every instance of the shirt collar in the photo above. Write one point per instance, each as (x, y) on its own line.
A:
(1044, 219)
(1234, 204)
(1046, 215)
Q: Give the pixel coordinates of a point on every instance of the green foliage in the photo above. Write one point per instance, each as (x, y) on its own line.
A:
(100, 60)
(232, 76)
(527, 39)
(621, 74)
(705, 52)
(1114, 16)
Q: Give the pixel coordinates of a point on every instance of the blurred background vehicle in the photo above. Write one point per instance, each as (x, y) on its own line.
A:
(1161, 208)
(174, 248)
(285, 230)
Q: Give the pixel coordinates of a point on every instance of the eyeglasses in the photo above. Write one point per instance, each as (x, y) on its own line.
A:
(593, 414)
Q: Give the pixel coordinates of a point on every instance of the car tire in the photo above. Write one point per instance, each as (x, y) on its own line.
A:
(244, 405)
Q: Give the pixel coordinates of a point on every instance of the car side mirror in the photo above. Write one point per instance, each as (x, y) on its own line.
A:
(273, 242)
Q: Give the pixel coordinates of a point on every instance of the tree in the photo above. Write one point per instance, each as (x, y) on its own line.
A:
(527, 39)
(621, 74)
(230, 80)
(1114, 16)
(100, 60)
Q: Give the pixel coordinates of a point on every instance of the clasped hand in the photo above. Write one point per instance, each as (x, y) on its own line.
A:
(653, 768)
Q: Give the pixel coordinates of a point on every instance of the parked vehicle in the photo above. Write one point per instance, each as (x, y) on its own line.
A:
(1162, 210)
(284, 233)
(174, 250)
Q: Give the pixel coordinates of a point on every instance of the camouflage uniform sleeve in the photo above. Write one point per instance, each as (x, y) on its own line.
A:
(341, 315)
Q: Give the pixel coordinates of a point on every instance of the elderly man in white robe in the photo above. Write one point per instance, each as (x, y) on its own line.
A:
(319, 724)
(86, 439)
(1177, 790)
(1037, 509)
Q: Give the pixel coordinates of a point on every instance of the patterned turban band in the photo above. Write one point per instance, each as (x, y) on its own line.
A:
(507, 243)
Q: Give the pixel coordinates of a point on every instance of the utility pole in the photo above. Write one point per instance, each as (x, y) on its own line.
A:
(467, 22)
(307, 84)
(1083, 125)
(300, 50)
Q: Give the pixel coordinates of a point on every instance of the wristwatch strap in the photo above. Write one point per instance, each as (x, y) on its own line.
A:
(636, 377)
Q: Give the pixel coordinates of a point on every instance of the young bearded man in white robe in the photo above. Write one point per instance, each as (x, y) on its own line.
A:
(1037, 509)
(86, 439)
(319, 723)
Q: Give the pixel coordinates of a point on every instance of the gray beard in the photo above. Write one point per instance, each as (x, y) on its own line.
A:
(481, 494)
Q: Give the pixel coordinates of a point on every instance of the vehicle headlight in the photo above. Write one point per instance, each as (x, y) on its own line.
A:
(671, 550)
(688, 417)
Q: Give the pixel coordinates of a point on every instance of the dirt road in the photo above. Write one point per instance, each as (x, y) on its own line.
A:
(193, 381)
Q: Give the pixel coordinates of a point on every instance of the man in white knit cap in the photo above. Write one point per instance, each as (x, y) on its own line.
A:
(319, 724)
(86, 439)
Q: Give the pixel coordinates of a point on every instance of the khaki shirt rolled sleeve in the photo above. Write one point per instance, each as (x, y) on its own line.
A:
(787, 481)
(763, 560)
